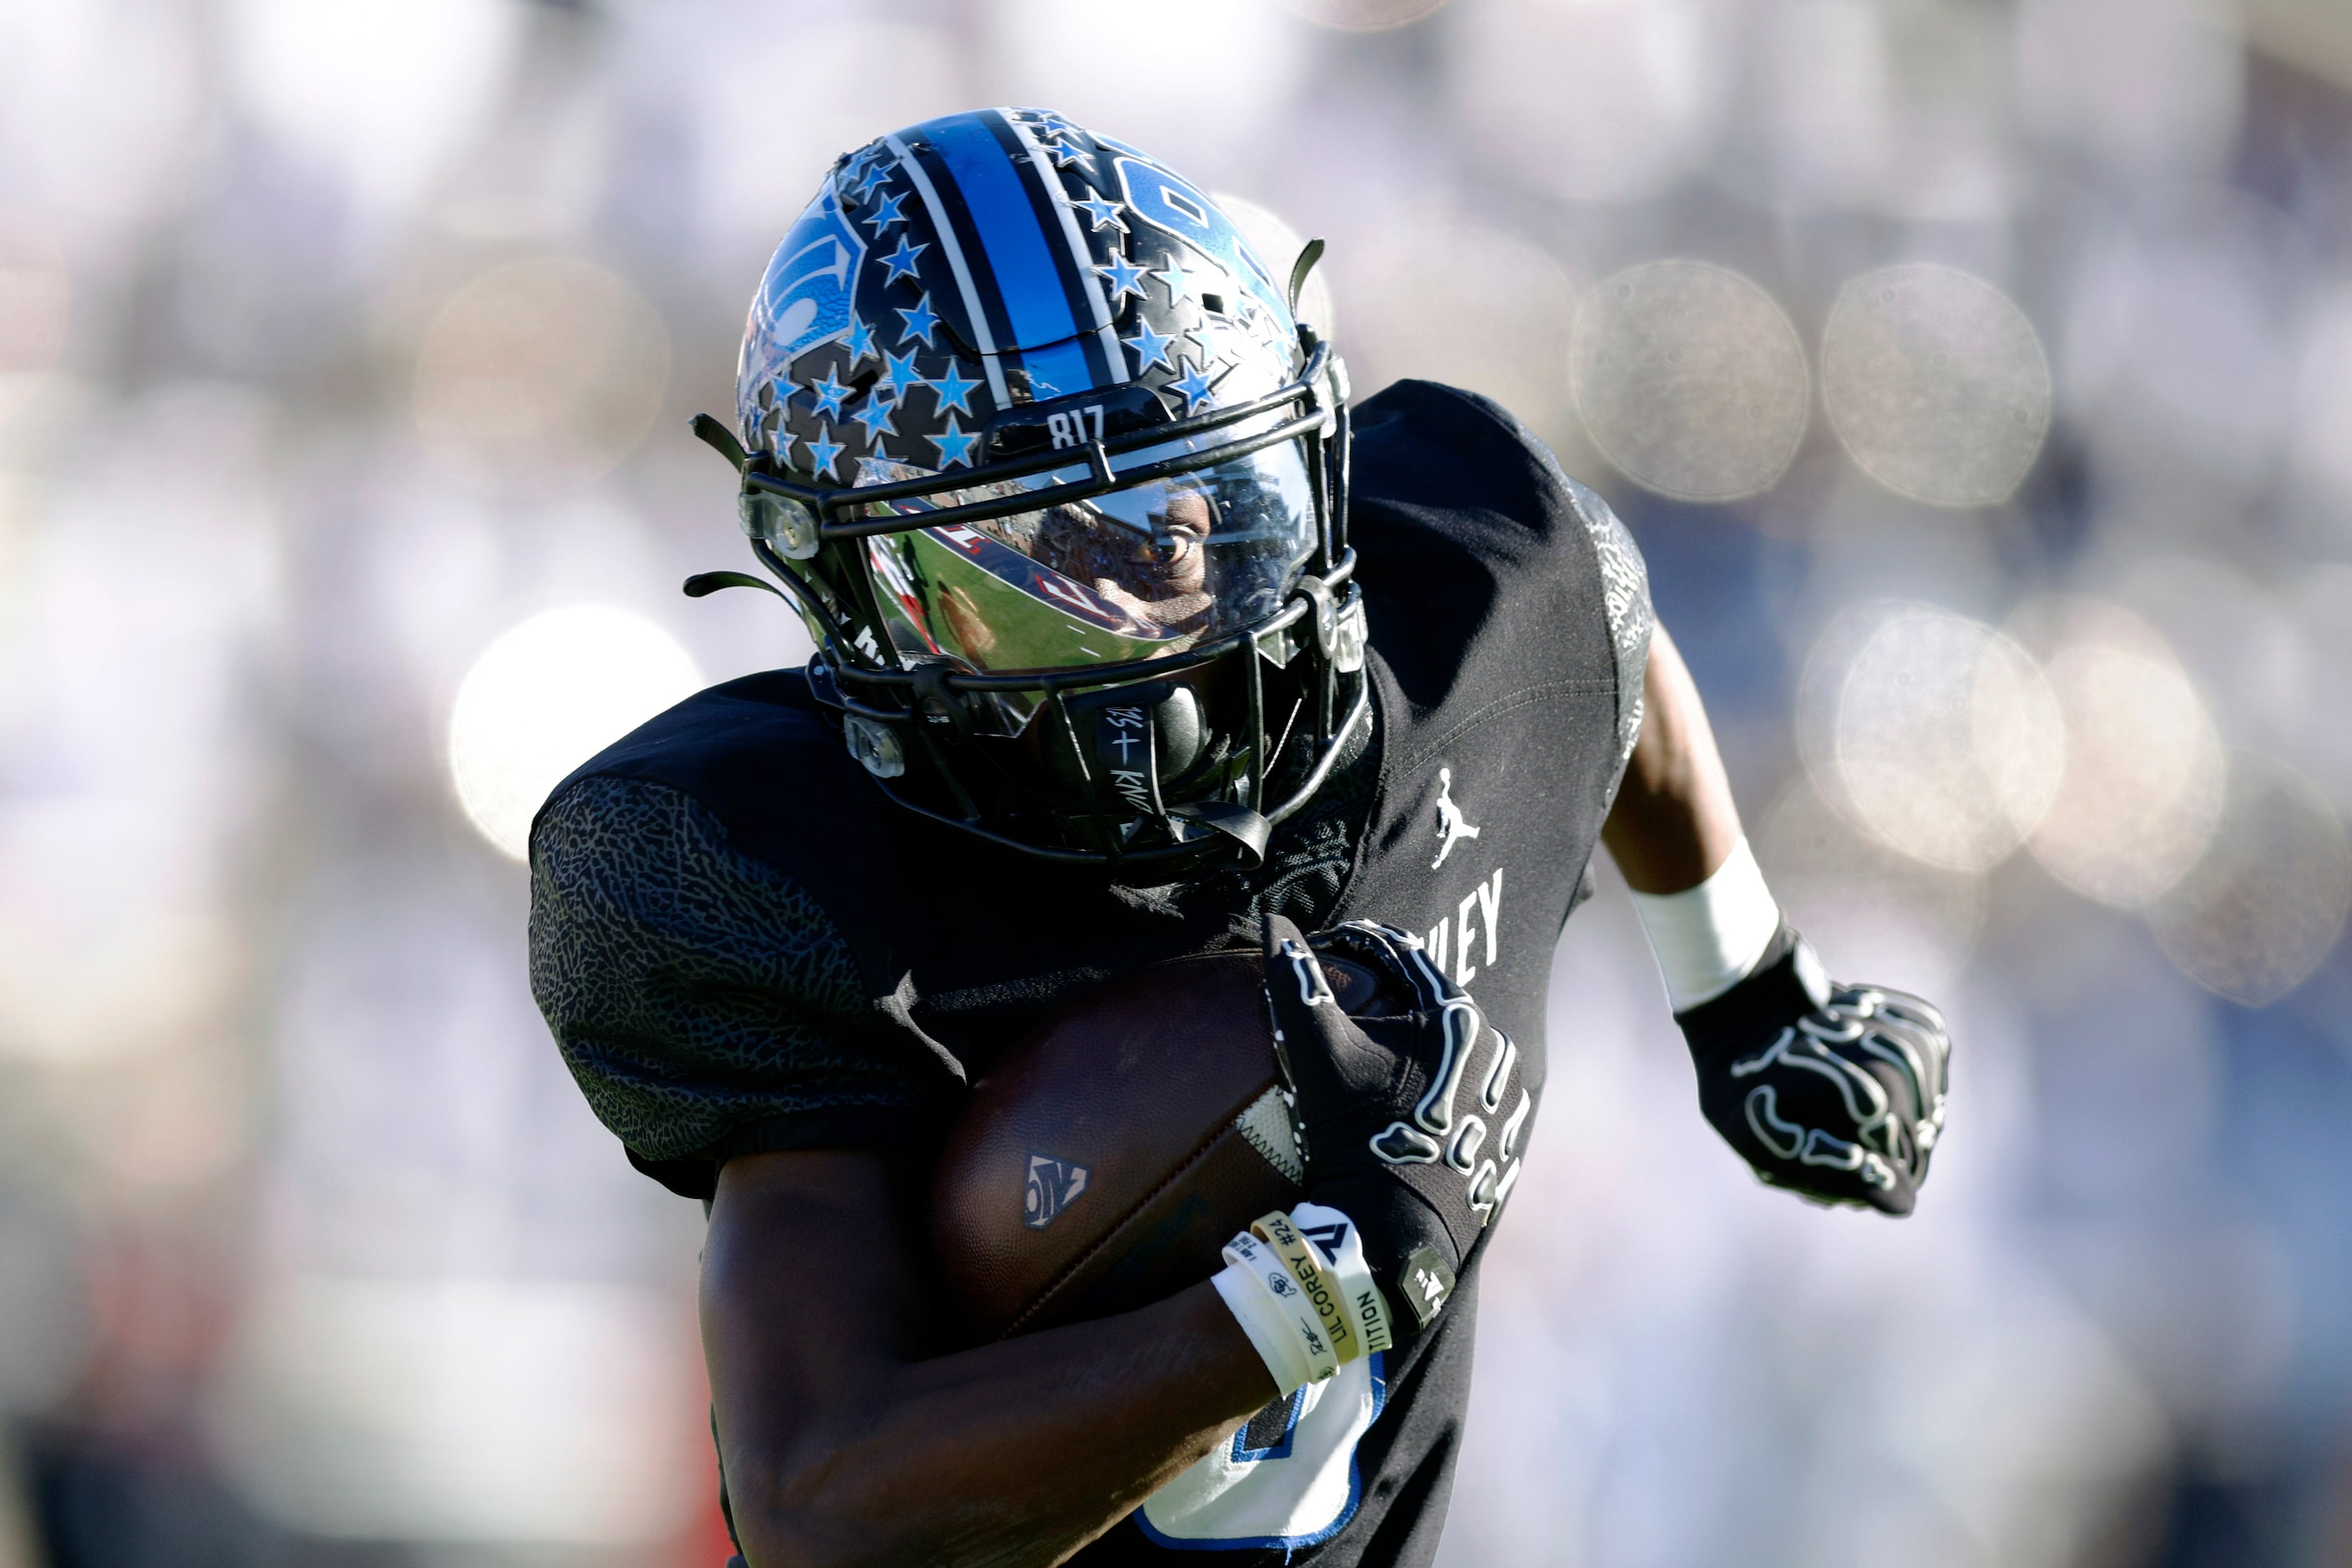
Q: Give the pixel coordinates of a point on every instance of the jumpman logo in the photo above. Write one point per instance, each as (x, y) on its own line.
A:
(1452, 826)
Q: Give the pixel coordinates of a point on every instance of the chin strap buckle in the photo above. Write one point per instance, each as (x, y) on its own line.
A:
(1340, 634)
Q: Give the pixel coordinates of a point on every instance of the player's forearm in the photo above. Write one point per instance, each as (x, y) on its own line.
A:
(1017, 1453)
(1675, 822)
(849, 1438)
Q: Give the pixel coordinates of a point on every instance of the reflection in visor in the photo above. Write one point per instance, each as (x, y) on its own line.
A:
(1134, 573)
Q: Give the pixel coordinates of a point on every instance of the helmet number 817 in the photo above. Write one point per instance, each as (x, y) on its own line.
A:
(1070, 429)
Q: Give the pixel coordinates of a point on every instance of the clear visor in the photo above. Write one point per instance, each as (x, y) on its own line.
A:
(1145, 572)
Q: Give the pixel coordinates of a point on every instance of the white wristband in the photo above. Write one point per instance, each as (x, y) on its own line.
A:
(1269, 1329)
(1350, 1271)
(1275, 1313)
(1708, 938)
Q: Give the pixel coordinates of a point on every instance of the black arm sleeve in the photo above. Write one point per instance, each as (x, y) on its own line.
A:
(705, 1003)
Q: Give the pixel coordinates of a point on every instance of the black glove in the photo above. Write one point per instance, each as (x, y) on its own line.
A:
(1413, 1123)
(1833, 1091)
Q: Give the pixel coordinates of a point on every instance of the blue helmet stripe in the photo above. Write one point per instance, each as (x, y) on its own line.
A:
(1106, 359)
(942, 220)
(1036, 306)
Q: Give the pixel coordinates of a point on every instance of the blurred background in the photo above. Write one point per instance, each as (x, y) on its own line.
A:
(1976, 375)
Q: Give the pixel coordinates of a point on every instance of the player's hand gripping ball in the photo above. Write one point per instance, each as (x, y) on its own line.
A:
(1413, 1123)
(1833, 1091)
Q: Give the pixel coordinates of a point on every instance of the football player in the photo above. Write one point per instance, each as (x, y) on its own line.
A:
(1136, 638)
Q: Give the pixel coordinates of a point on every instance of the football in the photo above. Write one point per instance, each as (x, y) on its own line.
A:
(1105, 1161)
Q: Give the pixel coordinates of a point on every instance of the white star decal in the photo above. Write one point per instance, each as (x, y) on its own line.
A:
(1124, 277)
(827, 394)
(901, 261)
(861, 342)
(955, 444)
(953, 389)
(921, 321)
(876, 414)
(824, 452)
(899, 370)
(1173, 275)
(1150, 347)
(871, 176)
(1100, 212)
(1194, 384)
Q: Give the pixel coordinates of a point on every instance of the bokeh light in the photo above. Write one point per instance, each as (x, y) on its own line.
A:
(2320, 607)
(1463, 304)
(466, 1410)
(2265, 903)
(540, 376)
(1188, 86)
(1936, 382)
(1891, 918)
(382, 91)
(2142, 787)
(548, 696)
(1277, 244)
(2322, 431)
(1948, 741)
(1364, 15)
(111, 939)
(1691, 380)
(1592, 100)
(34, 294)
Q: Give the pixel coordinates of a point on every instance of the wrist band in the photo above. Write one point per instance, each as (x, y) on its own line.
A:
(1271, 1332)
(1282, 1304)
(1708, 938)
(1342, 1247)
(1322, 1292)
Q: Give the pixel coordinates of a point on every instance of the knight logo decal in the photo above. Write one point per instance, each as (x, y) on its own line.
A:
(1054, 1186)
(1452, 826)
(803, 301)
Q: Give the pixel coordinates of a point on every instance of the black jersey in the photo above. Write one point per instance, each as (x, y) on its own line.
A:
(742, 946)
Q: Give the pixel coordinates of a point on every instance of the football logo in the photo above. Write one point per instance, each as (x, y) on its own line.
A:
(1054, 1184)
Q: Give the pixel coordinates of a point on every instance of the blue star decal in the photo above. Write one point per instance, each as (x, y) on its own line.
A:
(1150, 347)
(1125, 278)
(921, 321)
(953, 389)
(824, 452)
(901, 261)
(1173, 275)
(871, 176)
(861, 342)
(899, 370)
(1100, 212)
(1206, 334)
(876, 415)
(826, 394)
(885, 215)
(1064, 155)
(955, 444)
(1193, 384)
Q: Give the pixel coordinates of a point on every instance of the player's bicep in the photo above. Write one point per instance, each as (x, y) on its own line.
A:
(811, 1284)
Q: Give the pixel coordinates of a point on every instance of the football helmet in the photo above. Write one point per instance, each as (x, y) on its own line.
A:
(1033, 441)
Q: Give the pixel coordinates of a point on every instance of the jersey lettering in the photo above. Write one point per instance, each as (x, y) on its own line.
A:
(1479, 912)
